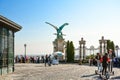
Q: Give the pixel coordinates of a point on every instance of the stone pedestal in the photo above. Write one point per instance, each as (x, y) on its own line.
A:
(59, 45)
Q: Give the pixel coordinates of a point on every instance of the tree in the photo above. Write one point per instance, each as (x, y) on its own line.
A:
(67, 51)
(110, 45)
(70, 51)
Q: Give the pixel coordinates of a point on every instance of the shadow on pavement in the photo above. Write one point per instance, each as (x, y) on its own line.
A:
(117, 77)
(94, 76)
(88, 75)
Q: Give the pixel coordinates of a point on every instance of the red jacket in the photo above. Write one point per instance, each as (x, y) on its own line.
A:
(108, 59)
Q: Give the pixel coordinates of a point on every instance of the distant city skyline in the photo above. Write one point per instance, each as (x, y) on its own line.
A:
(90, 19)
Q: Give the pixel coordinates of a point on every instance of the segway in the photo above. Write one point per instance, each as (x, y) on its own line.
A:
(98, 71)
(111, 73)
(105, 76)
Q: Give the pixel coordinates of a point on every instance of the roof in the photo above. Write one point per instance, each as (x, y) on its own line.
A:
(4, 22)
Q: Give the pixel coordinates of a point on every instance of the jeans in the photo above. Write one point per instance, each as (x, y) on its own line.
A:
(99, 65)
(110, 66)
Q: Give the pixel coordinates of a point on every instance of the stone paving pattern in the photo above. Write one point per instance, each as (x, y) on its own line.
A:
(56, 72)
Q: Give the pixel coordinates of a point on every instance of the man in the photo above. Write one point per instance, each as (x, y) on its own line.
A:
(49, 60)
(111, 55)
(46, 60)
(98, 57)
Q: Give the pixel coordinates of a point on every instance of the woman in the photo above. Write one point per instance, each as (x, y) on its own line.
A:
(104, 61)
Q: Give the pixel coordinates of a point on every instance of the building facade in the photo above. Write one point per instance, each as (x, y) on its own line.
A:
(7, 32)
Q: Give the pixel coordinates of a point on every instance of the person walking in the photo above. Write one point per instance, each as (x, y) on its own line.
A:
(49, 60)
(46, 60)
(42, 59)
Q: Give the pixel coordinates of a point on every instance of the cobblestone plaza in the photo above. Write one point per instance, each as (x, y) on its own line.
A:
(56, 72)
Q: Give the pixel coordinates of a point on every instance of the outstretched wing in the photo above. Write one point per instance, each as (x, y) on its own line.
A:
(52, 25)
(61, 27)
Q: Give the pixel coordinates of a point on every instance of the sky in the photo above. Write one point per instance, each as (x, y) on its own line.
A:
(90, 19)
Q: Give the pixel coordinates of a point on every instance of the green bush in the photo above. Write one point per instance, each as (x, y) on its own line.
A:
(85, 61)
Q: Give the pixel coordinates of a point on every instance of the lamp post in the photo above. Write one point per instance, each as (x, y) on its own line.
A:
(25, 52)
(117, 47)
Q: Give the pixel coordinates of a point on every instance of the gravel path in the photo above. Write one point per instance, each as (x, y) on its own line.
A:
(55, 72)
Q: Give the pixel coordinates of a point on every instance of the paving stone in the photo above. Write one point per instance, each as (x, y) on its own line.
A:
(56, 72)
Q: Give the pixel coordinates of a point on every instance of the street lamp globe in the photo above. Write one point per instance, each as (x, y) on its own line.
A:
(25, 45)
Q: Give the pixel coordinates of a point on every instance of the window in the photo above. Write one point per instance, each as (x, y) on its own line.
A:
(6, 47)
(11, 49)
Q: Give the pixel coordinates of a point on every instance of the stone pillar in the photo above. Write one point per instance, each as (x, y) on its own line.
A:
(117, 48)
(104, 47)
(80, 52)
(82, 49)
(100, 47)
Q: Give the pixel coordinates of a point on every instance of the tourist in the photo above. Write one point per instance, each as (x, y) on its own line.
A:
(16, 59)
(38, 59)
(42, 59)
(111, 56)
(104, 60)
(35, 59)
(98, 57)
(49, 60)
(46, 60)
(91, 61)
(23, 59)
(94, 61)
